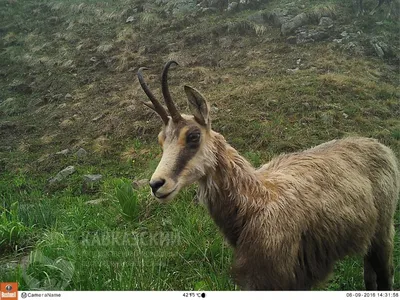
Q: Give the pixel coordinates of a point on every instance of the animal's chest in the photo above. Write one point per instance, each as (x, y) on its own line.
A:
(225, 215)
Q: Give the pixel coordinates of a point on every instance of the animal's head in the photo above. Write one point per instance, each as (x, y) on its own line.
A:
(185, 140)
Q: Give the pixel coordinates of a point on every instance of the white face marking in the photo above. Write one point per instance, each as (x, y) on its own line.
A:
(180, 164)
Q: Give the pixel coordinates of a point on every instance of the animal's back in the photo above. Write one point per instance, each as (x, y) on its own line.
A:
(352, 165)
(327, 202)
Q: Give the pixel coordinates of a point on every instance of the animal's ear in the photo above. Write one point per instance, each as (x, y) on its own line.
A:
(198, 106)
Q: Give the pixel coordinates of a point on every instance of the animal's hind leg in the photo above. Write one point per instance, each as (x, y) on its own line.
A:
(380, 258)
(369, 274)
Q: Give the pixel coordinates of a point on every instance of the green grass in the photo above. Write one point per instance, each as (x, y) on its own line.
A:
(12, 231)
(129, 242)
(50, 238)
(122, 245)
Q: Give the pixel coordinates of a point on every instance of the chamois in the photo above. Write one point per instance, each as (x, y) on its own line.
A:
(291, 219)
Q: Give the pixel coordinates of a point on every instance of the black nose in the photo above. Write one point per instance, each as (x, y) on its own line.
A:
(156, 184)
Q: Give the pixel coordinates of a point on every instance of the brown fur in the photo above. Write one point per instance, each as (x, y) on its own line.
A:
(292, 219)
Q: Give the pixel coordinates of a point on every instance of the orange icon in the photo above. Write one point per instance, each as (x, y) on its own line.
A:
(9, 291)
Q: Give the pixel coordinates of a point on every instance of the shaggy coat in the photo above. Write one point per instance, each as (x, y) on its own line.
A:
(292, 219)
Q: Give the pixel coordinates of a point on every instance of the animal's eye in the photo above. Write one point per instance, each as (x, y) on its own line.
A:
(193, 137)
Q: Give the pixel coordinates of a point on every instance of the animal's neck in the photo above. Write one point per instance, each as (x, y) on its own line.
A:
(229, 188)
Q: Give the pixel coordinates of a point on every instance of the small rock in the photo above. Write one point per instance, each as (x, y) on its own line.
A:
(66, 123)
(232, 6)
(95, 119)
(92, 178)
(326, 22)
(225, 78)
(63, 152)
(104, 48)
(312, 35)
(381, 49)
(68, 64)
(292, 71)
(214, 109)
(137, 184)
(68, 96)
(81, 153)
(130, 19)
(354, 48)
(208, 9)
(96, 201)
(62, 174)
(378, 50)
(67, 171)
(293, 24)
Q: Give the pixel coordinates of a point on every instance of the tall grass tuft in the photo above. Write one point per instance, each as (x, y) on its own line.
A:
(128, 200)
(12, 230)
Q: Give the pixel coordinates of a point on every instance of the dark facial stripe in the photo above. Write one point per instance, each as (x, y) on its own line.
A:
(184, 156)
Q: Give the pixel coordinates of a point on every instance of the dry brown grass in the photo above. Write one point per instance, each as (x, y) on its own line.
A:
(101, 145)
(323, 10)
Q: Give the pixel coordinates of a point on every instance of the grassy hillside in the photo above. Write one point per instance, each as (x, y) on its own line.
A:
(68, 81)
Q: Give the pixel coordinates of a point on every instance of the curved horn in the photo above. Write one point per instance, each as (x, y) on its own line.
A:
(176, 116)
(158, 108)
